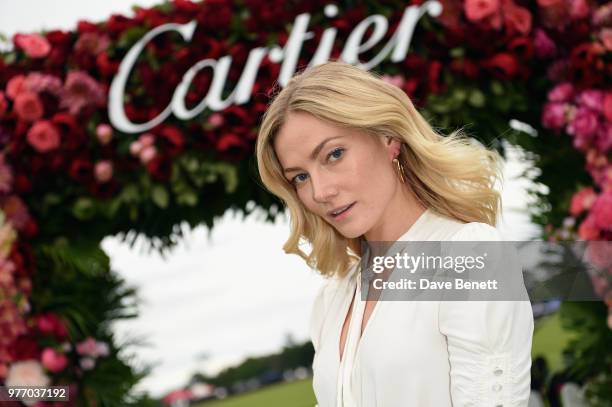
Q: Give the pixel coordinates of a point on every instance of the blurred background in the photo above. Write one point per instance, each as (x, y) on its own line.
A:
(146, 268)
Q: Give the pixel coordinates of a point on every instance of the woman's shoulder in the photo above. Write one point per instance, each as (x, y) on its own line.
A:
(440, 227)
(477, 231)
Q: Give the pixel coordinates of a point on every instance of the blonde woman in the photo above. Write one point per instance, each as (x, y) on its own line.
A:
(355, 162)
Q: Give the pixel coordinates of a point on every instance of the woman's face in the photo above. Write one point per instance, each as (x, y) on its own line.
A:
(332, 168)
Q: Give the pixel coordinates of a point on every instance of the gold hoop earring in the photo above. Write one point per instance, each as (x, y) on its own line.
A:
(399, 168)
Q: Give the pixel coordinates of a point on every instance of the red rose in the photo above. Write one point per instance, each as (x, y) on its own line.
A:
(117, 23)
(516, 18)
(522, 47)
(59, 38)
(160, 168)
(81, 170)
(451, 14)
(231, 146)
(3, 104)
(43, 136)
(30, 229)
(34, 45)
(74, 137)
(50, 324)
(15, 86)
(174, 140)
(28, 106)
(476, 10)
(86, 26)
(502, 65)
(25, 347)
(22, 184)
(53, 360)
(105, 65)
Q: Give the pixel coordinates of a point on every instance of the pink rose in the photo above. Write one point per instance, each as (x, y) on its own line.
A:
(147, 154)
(517, 17)
(43, 136)
(102, 349)
(561, 93)
(3, 104)
(544, 46)
(553, 116)
(604, 138)
(104, 132)
(34, 45)
(582, 200)
(591, 98)
(135, 148)
(91, 347)
(87, 347)
(103, 171)
(15, 86)
(607, 106)
(53, 360)
(215, 119)
(476, 10)
(48, 323)
(81, 91)
(588, 230)
(584, 124)
(147, 139)
(601, 211)
(28, 106)
(605, 36)
(578, 9)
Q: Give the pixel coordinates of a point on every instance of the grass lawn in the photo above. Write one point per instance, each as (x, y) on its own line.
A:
(549, 339)
(294, 394)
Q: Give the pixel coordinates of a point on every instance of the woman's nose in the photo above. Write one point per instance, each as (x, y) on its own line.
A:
(323, 188)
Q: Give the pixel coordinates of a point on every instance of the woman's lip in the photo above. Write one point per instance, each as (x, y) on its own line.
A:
(345, 213)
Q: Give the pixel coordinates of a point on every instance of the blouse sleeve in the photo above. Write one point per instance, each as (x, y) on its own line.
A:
(489, 343)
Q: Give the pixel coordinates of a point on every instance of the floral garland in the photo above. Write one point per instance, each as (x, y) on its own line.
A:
(64, 169)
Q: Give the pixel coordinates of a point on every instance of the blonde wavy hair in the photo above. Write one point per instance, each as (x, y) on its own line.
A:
(452, 175)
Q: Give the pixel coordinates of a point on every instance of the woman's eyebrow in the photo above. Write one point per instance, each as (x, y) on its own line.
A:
(314, 153)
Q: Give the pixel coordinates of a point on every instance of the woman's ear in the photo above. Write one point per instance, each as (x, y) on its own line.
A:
(393, 146)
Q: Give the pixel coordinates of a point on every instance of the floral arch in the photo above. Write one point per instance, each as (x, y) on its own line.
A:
(71, 175)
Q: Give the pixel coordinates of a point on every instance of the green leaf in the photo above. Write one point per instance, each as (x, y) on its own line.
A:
(497, 88)
(457, 52)
(130, 193)
(188, 198)
(83, 209)
(476, 98)
(160, 196)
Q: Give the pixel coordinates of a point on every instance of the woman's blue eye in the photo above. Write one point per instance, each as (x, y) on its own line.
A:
(337, 153)
(297, 179)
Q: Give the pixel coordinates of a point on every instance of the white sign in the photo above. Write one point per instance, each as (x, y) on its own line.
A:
(355, 45)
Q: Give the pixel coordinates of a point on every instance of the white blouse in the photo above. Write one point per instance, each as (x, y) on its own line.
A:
(421, 353)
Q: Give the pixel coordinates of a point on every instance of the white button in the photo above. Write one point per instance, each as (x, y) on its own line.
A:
(498, 372)
(497, 387)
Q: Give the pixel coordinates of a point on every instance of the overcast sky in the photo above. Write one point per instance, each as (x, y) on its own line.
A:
(220, 298)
